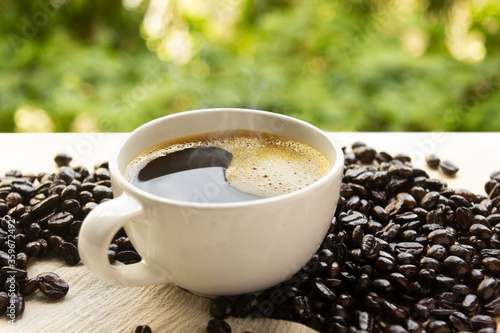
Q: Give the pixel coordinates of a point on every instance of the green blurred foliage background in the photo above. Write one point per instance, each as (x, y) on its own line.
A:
(343, 65)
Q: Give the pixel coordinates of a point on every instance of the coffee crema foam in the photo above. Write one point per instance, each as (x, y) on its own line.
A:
(263, 164)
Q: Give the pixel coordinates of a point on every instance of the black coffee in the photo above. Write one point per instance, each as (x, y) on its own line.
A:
(229, 167)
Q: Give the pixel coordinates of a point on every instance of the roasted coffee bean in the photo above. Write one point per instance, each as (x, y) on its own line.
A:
(370, 247)
(448, 300)
(441, 313)
(22, 260)
(456, 266)
(52, 285)
(441, 237)
(69, 192)
(362, 286)
(395, 329)
(470, 304)
(430, 264)
(32, 231)
(394, 313)
(409, 271)
(13, 199)
(401, 282)
(481, 220)
(482, 321)
(70, 206)
(55, 241)
(45, 206)
(390, 232)
(494, 191)
(357, 236)
(365, 154)
(383, 156)
(460, 321)
(123, 243)
(407, 218)
(32, 248)
(326, 256)
(465, 218)
(480, 231)
(28, 287)
(461, 289)
(385, 263)
(62, 159)
(87, 187)
(492, 265)
(18, 302)
(487, 330)
(458, 201)
(142, 329)
(302, 306)
(493, 219)
(45, 247)
(84, 197)
(400, 170)
(66, 174)
(102, 192)
(409, 235)
(60, 221)
(69, 253)
(323, 292)
(449, 168)
(487, 289)
(354, 219)
(413, 326)
(102, 172)
(493, 307)
(88, 207)
(218, 326)
(221, 307)
(445, 281)
(24, 188)
(463, 251)
(437, 326)
(128, 257)
(357, 144)
(432, 161)
(57, 188)
(405, 258)
(349, 158)
(414, 248)
(74, 228)
(245, 305)
(437, 252)
(111, 256)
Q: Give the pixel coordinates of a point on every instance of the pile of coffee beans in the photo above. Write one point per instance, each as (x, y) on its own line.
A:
(40, 217)
(404, 253)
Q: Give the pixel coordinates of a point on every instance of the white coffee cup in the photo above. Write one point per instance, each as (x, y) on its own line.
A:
(212, 248)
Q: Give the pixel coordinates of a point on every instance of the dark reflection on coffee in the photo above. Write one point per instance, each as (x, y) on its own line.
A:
(187, 159)
(193, 174)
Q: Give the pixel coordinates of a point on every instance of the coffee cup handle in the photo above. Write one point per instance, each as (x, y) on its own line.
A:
(97, 232)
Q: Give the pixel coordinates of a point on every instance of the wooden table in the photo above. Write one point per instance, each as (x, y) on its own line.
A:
(95, 306)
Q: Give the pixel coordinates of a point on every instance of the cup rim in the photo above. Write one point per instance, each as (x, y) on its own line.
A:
(335, 169)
